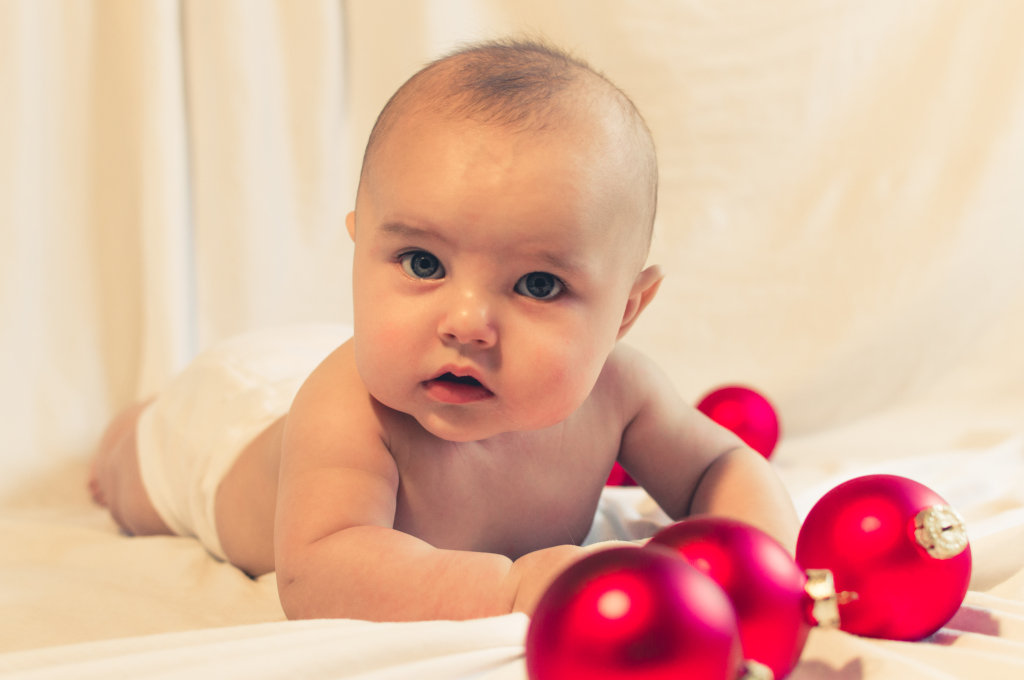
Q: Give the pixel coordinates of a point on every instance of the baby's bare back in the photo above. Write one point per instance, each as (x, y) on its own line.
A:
(513, 494)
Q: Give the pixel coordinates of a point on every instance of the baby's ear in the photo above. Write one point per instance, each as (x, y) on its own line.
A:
(350, 224)
(644, 288)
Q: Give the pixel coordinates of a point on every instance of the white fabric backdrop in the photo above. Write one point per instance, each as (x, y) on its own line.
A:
(170, 173)
(841, 212)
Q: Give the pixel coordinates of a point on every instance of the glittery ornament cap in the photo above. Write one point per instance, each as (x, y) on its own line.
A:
(753, 670)
(822, 589)
(941, 531)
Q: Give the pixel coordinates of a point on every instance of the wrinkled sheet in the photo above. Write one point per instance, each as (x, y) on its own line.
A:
(81, 601)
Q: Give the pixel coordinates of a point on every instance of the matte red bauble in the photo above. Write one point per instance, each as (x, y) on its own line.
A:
(765, 585)
(619, 477)
(632, 613)
(746, 413)
(898, 551)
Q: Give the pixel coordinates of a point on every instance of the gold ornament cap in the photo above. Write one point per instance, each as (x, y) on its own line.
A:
(940, 530)
(753, 670)
(822, 589)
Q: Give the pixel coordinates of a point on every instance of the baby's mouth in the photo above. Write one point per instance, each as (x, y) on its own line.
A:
(461, 379)
(456, 389)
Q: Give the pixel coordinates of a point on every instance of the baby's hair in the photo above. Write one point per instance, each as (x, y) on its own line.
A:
(522, 85)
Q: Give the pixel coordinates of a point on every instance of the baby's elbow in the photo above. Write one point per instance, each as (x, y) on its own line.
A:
(295, 601)
(302, 594)
(316, 584)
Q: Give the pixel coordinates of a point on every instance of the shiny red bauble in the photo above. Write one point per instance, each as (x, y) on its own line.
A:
(763, 582)
(898, 553)
(745, 412)
(632, 613)
(619, 477)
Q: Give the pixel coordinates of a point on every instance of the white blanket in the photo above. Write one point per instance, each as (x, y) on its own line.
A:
(66, 576)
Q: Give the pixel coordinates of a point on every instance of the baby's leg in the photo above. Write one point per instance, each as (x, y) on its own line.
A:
(115, 481)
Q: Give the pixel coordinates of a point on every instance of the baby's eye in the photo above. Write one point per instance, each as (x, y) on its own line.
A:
(539, 286)
(420, 264)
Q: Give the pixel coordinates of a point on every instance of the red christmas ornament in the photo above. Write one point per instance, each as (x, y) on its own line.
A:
(898, 552)
(630, 613)
(745, 412)
(619, 477)
(766, 587)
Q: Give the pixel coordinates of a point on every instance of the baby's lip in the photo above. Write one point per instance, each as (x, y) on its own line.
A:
(460, 372)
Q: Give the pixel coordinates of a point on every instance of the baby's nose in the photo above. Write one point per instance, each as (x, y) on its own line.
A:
(469, 322)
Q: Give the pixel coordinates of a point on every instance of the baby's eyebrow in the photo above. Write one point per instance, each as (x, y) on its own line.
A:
(404, 230)
(566, 264)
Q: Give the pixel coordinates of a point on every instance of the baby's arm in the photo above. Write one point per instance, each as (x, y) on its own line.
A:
(741, 484)
(336, 553)
(691, 465)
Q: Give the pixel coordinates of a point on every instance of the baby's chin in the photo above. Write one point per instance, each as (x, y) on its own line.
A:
(461, 432)
(452, 426)
(474, 429)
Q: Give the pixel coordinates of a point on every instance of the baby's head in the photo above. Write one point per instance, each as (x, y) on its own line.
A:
(504, 213)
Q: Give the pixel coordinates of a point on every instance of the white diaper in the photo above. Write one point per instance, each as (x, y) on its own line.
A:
(189, 437)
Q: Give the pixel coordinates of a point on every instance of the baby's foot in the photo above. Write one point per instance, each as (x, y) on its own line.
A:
(115, 482)
(95, 488)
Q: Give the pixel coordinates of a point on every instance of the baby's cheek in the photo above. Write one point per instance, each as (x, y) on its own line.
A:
(559, 379)
(385, 348)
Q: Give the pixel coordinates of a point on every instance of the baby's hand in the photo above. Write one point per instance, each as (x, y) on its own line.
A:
(532, 573)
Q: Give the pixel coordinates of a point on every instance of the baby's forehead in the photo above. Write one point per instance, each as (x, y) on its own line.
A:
(567, 172)
(528, 91)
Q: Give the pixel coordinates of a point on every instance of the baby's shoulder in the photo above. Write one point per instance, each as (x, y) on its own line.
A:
(333, 414)
(334, 385)
(628, 381)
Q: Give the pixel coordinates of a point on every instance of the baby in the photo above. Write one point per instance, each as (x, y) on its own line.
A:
(444, 462)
